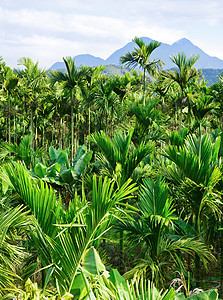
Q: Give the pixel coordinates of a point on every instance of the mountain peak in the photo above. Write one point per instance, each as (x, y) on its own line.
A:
(163, 52)
(183, 41)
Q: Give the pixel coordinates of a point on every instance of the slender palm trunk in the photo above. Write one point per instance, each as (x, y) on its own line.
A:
(180, 117)
(43, 135)
(175, 116)
(121, 243)
(61, 134)
(14, 125)
(64, 135)
(36, 137)
(52, 137)
(89, 125)
(144, 87)
(221, 262)
(77, 133)
(23, 125)
(72, 126)
(9, 120)
(31, 126)
(197, 258)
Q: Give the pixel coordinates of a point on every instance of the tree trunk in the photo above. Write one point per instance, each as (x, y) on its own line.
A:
(61, 134)
(221, 263)
(72, 126)
(43, 135)
(31, 127)
(197, 258)
(9, 119)
(16, 127)
(121, 243)
(180, 116)
(36, 137)
(89, 125)
(144, 87)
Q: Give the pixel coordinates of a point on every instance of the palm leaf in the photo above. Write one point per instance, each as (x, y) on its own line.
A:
(62, 248)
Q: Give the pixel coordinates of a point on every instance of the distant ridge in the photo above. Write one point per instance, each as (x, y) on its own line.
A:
(163, 52)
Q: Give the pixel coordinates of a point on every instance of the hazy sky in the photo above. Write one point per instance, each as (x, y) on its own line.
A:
(47, 30)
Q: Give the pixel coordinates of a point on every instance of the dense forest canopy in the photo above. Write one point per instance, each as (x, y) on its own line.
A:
(111, 186)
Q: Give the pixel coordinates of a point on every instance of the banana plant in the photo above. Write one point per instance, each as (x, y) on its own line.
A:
(60, 171)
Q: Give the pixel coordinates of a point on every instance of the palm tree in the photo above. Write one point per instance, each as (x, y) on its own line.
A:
(21, 152)
(73, 80)
(9, 85)
(106, 101)
(183, 76)
(118, 157)
(62, 236)
(140, 57)
(148, 120)
(33, 81)
(194, 169)
(93, 76)
(120, 160)
(201, 106)
(14, 222)
(217, 93)
(150, 231)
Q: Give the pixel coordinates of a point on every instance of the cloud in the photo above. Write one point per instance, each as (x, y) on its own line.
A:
(48, 30)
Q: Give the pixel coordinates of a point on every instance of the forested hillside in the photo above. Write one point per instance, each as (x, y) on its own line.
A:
(111, 186)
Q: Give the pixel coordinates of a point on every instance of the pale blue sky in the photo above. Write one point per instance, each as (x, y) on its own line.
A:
(47, 30)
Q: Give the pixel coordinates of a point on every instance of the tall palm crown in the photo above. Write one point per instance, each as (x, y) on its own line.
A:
(140, 57)
(72, 80)
(33, 79)
(185, 72)
(9, 85)
(183, 76)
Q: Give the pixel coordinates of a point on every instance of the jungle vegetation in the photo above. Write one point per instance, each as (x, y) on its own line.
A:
(111, 186)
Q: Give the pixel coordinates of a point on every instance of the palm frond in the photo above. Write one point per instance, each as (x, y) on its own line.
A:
(61, 240)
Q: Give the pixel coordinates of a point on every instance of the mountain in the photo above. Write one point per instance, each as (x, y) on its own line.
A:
(80, 60)
(163, 52)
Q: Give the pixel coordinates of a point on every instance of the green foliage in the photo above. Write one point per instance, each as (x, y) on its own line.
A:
(149, 231)
(60, 171)
(140, 57)
(13, 223)
(62, 237)
(22, 152)
(141, 54)
(54, 211)
(195, 171)
(119, 158)
(206, 295)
